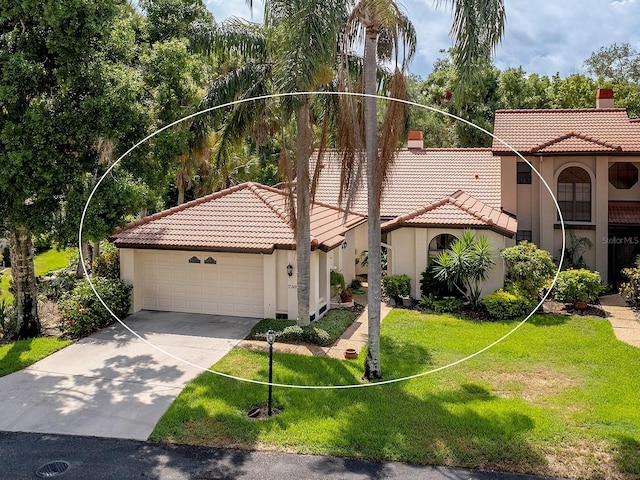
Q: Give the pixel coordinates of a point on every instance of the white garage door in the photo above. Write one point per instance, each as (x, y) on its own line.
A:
(201, 282)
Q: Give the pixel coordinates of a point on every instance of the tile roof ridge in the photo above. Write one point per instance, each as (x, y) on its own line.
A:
(461, 204)
(447, 149)
(181, 207)
(561, 110)
(573, 133)
(260, 191)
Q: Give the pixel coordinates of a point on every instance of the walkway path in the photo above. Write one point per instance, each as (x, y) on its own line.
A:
(623, 320)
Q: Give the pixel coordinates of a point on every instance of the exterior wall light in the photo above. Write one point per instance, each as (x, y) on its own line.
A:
(290, 270)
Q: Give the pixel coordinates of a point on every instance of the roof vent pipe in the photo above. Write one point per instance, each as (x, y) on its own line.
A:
(604, 98)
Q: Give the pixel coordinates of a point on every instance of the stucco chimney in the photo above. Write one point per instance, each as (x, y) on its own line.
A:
(604, 98)
(414, 139)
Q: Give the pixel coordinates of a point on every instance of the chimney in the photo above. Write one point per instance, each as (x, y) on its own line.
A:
(414, 139)
(604, 98)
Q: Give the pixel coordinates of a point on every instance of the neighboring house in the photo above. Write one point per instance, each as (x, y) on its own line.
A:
(431, 196)
(233, 253)
(590, 159)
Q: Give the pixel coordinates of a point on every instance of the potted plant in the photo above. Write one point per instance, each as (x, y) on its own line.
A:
(346, 295)
(579, 287)
(407, 301)
(397, 287)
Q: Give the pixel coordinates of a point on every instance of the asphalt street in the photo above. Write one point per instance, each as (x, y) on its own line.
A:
(24, 454)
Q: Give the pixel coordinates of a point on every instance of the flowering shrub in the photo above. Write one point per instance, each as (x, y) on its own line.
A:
(81, 313)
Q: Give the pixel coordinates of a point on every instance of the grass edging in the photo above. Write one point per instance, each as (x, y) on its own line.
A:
(20, 354)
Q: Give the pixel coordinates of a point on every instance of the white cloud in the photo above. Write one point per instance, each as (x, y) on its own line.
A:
(544, 37)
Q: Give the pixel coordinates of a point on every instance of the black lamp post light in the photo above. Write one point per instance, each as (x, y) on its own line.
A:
(271, 338)
(254, 412)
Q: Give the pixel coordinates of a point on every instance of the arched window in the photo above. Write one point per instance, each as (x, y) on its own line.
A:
(574, 194)
(441, 242)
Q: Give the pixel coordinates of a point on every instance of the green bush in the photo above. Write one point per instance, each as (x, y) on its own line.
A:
(81, 313)
(323, 332)
(630, 290)
(528, 268)
(107, 265)
(503, 305)
(8, 321)
(336, 279)
(441, 305)
(430, 284)
(396, 286)
(578, 286)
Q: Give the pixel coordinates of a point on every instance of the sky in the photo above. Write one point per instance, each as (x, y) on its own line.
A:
(541, 36)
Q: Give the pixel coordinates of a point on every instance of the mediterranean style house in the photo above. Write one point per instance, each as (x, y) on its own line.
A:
(589, 159)
(233, 252)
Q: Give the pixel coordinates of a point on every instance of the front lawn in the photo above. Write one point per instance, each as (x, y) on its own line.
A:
(52, 259)
(15, 356)
(558, 397)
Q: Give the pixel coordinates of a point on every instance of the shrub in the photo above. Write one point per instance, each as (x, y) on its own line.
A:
(630, 290)
(430, 284)
(323, 332)
(41, 243)
(441, 305)
(355, 284)
(336, 279)
(8, 321)
(396, 286)
(528, 268)
(107, 265)
(81, 313)
(503, 305)
(578, 286)
(466, 264)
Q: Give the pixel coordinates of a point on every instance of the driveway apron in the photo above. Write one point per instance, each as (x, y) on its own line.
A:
(113, 384)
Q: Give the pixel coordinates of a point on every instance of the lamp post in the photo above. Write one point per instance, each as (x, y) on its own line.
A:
(271, 338)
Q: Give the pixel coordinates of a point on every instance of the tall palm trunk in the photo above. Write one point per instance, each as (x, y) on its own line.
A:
(25, 301)
(372, 369)
(303, 221)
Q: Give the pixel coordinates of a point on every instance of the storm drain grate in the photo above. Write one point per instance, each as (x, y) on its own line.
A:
(52, 469)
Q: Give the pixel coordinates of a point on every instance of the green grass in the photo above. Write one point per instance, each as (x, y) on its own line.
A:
(558, 397)
(48, 261)
(323, 332)
(18, 355)
(52, 259)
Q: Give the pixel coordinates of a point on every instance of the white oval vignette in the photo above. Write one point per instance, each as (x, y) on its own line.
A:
(359, 385)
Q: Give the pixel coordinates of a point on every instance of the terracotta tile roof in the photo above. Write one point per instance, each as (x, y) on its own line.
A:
(563, 131)
(419, 177)
(245, 218)
(624, 213)
(459, 210)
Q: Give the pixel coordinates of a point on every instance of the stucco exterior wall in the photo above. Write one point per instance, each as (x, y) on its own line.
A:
(413, 244)
(624, 195)
(536, 210)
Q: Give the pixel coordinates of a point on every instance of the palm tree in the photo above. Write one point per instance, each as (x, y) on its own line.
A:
(387, 34)
(384, 29)
(294, 52)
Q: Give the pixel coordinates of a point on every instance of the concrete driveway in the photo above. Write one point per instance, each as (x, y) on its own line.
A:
(112, 384)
